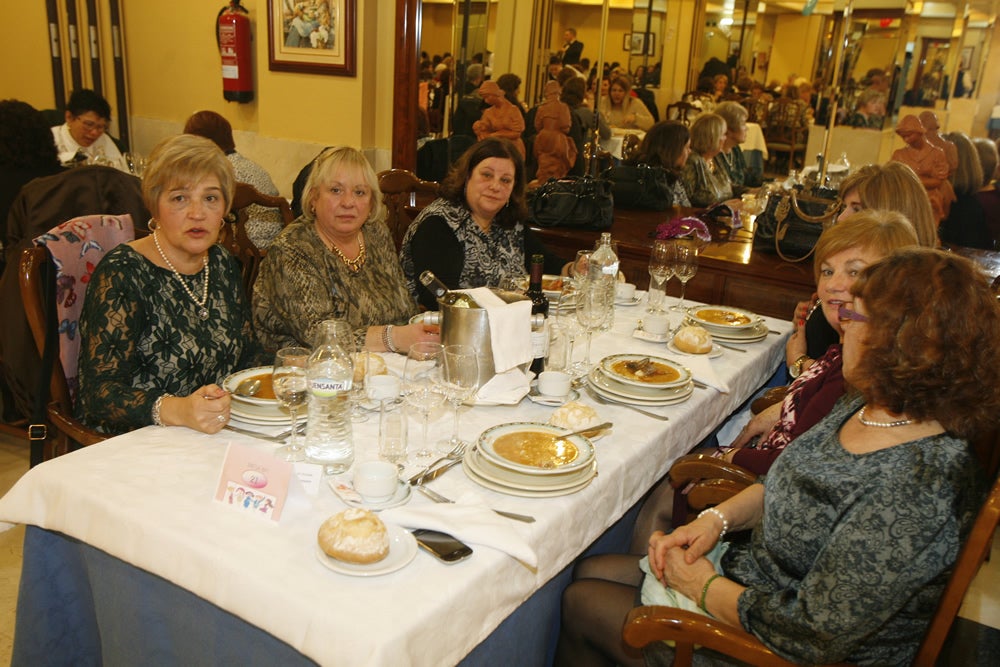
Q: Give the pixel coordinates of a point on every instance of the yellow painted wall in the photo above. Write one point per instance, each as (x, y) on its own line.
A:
(436, 32)
(23, 40)
(794, 48)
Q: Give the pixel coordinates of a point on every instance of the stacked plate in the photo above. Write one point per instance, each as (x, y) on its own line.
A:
(531, 459)
(259, 410)
(641, 379)
(729, 324)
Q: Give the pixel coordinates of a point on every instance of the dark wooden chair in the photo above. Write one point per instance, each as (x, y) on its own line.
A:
(701, 481)
(786, 132)
(62, 431)
(685, 112)
(404, 196)
(234, 233)
(648, 624)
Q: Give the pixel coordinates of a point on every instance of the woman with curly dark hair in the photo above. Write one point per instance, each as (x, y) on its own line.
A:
(474, 234)
(27, 151)
(856, 527)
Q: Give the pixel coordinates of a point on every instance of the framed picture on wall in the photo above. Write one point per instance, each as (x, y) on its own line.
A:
(640, 43)
(312, 36)
(967, 53)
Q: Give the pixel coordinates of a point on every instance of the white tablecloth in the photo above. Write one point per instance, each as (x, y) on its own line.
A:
(146, 498)
(755, 139)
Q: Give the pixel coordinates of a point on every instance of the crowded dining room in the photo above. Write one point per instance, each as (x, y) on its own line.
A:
(500, 332)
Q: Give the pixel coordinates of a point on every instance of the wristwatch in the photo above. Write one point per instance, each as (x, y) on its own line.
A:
(795, 369)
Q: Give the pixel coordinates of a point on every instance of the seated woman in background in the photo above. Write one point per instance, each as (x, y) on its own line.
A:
(165, 317)
(706, 185)
(730, 159)
(474, 234)
(869, 112)
(621, 109)
(855, 529)
(966, 222)
(988, 195)
(337, 261)
(263, 224)
(889, 187)
(841, 253)
(583, 115)
(667, 146)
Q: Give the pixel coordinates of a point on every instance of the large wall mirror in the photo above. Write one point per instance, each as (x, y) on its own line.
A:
(931, 53)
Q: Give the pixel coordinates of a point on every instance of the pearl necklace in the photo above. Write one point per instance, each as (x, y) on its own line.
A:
(878, 424)
(353, 264)
(202, 310)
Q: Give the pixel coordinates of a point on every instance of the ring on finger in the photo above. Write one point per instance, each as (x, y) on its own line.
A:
(221, 418)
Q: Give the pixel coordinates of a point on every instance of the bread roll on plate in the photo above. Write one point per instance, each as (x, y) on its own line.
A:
(575, 416)
(354, 536)
(693, 340)
(361, 362)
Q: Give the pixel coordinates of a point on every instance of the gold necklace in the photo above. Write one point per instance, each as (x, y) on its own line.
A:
(353, 264)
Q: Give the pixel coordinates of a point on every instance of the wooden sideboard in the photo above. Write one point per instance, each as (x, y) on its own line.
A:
(729, 271)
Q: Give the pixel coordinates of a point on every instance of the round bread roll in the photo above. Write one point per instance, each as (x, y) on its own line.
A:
(361, 364)
(575, 416)
(354, 536)
(693, 340)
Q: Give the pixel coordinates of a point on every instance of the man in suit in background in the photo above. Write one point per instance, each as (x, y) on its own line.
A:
(572, 49)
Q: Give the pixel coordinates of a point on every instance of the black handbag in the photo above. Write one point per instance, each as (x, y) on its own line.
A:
(793, 221)
(640, 186)
(583, 203)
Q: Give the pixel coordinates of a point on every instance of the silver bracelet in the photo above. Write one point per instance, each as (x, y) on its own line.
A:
(157, 420)
(725, 521)
(387, 339)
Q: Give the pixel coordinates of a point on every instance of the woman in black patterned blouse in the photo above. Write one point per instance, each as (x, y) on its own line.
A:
(475, 234)
(164, 319)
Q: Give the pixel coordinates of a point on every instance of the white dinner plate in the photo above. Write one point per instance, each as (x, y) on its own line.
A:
(525, 493)
(715, 352)
(648, 402)
(402, 550)
(599, 378)
(745, 317)
(260, 414)
(757, 332)
(585, 448)
(494, 473)
(233, 380)
(634, 301)
(607, 367)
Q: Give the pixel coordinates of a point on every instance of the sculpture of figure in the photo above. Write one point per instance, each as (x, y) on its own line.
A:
(501, 118)
(554, 150)
(929, 163)
(931, 125)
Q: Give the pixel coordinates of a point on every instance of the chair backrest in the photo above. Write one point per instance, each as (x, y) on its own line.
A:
(234, 235)
(75, 247)
(685, 112)
(401, 192)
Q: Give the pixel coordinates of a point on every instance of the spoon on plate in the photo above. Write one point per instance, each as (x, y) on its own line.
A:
(248, 387)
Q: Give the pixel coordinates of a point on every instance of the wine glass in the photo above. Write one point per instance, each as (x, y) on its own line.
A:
(362, 361)
(459, 379)
(685, 266)
(421, 385)
(291, 388)
(579, 270)
(569, 326)
(660, 271)
(591, 311)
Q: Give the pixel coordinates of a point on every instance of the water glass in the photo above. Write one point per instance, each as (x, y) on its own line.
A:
(392, 435)
(660, 271)
(591, 311)
(422, 388)
(460, 380)
(291, 388)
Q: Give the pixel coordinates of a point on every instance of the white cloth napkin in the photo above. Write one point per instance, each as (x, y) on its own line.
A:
(468, 519)
(510, 328)
(505, 388)
(701, 369)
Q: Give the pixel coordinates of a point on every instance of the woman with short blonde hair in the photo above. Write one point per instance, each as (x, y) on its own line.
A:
(706, 184)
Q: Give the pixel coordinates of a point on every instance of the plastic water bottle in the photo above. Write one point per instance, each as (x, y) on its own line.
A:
(329, 439)
(604, 268)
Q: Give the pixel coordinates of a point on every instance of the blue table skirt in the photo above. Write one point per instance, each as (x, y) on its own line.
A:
(80, 606)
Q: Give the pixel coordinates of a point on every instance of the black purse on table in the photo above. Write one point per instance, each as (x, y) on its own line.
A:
(581, 203)
(792, 223)
(640, 187)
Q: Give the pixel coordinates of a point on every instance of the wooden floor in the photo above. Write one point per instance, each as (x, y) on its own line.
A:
(976, 643)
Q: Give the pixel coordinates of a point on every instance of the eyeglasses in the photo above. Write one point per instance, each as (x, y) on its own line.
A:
(90, 125)
(845, 314)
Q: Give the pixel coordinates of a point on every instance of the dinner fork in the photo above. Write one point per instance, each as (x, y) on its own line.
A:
(280, 437)
(455, 454)
(600, 399)
(438, 498)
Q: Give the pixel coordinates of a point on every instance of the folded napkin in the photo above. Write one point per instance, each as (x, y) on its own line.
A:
(505, 388)
(468, 519)
(510, 328)
(701, 369)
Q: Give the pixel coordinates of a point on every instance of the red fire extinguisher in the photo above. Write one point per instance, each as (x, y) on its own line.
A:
(233, 37)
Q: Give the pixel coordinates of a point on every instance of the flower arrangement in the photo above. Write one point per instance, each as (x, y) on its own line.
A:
(683, 227)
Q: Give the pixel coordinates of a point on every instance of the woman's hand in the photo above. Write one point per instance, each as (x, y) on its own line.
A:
(687, 578)
(206, 409)
(796, 345)
(802, 309)
(405, 336)
(759, 424)
(694, 539)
